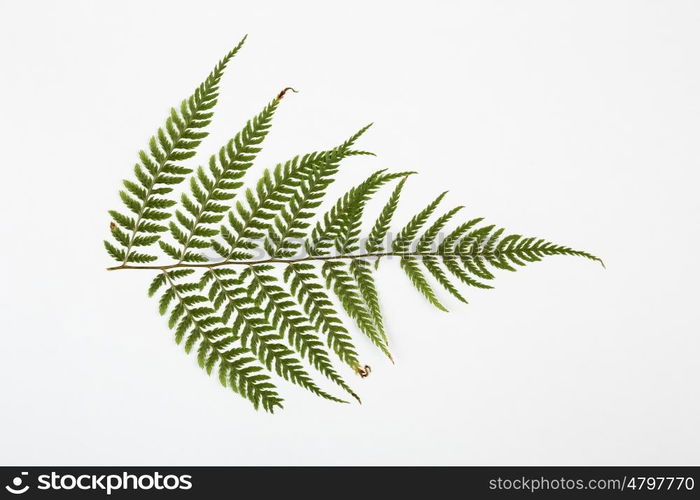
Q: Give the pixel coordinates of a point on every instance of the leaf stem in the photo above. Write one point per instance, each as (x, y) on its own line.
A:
(321, 258)
(209, 265)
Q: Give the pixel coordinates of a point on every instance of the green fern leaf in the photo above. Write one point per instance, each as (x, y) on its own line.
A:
(157, 173)
(261, 311)
(198, 325)
(361, 270)
(348, 291)
(375, 241)
(319, 308)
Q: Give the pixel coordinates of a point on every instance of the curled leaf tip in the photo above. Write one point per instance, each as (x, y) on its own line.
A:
(284, 91)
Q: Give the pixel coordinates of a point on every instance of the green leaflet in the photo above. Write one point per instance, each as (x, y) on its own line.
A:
(303, 282)
(197, 324)
(347, 289)
(290, 274)
(361, 270)
(375, 240)
(158, 171)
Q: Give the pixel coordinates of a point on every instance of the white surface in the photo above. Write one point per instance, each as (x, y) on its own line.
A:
(575, 121)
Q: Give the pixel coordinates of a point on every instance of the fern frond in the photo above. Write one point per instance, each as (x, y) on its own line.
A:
(361, 270)
(246, 319)
(197, 324)
(158, 170)
(520, 250)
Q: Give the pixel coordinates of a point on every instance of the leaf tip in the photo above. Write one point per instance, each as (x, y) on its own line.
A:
(284, 91)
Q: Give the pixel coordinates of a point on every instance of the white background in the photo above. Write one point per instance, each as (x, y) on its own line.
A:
(575, 121)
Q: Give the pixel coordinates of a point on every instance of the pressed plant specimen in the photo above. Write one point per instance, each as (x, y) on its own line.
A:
(273, 302)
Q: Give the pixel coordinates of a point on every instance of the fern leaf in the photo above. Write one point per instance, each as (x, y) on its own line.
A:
(348, 292)
(532, 249)
(375, 241)
(198, 325)
(158, 171)
(362, 272)
(245, 319)
(319, 308)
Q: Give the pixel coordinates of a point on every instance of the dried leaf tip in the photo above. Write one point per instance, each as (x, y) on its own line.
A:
(284, 91)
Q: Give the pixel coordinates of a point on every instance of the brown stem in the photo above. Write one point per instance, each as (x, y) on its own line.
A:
(209, 265)
(284, 91)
